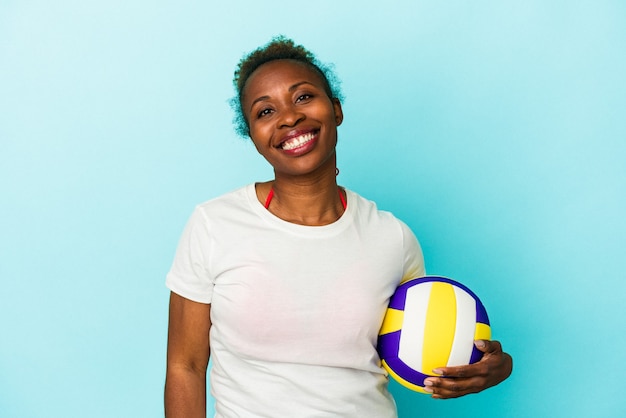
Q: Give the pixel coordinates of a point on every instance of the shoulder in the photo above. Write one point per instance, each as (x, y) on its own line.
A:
(232, 198)
(368, 209)
(220, 210)
(368, 212)
(237, 199)
(385, 228)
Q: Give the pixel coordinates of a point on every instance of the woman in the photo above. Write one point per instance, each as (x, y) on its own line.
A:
(285, 283)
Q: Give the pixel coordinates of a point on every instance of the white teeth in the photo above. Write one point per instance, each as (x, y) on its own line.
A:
(297, 141)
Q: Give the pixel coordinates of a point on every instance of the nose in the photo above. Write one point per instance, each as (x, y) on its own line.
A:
(290, 116)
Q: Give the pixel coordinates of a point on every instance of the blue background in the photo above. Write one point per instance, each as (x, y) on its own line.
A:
(495, 129)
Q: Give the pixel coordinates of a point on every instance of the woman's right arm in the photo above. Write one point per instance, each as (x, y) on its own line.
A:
(187, 358)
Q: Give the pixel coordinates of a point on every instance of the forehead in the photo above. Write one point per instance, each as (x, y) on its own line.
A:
(280, 73)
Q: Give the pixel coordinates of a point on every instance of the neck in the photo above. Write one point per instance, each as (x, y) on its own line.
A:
(313, 202)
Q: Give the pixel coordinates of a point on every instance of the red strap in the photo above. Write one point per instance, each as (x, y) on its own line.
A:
(270, 195)
(343, 200)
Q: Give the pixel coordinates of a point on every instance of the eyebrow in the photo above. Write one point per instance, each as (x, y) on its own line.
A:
(291, 89)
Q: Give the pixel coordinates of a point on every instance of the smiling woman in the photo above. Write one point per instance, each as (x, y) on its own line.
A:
(286, 282)
(292, 121)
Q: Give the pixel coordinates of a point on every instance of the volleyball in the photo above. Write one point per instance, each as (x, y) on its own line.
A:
(431, 322)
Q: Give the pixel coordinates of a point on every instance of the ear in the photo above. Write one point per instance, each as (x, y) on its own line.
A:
(338, 111)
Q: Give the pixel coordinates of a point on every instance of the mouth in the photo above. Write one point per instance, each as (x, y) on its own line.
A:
(297, 141)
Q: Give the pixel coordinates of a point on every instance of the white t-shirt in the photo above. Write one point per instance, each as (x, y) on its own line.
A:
(295, 309)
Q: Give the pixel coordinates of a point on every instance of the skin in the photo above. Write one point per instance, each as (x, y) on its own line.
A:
(283, 100)
(187, 358)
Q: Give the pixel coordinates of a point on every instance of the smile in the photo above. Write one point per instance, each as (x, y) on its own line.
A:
(298, 141)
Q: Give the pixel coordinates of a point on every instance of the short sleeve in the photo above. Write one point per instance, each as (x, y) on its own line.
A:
(413, 257)
(190, 275)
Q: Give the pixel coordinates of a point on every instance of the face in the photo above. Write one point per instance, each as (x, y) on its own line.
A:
(293, 123)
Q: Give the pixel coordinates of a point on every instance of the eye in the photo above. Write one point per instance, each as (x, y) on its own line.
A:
(304, 97)
(264, 112)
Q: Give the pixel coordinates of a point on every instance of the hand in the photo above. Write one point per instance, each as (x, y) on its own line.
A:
(493, 368)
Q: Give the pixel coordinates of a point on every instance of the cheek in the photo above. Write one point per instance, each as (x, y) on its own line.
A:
(256, 135)
(262, 129)
(261, 138)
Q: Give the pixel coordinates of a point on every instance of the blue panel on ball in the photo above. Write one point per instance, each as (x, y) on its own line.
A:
(406, 372)
(481, 312)
(476, 355)
(389, 345)
(398, 299)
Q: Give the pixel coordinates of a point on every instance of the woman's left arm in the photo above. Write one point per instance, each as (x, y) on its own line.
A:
(493, 368)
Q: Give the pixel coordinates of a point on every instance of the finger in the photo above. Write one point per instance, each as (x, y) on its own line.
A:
(459, 371)
(487, 346)
(449, 371)
(446, 388)
(481, 345)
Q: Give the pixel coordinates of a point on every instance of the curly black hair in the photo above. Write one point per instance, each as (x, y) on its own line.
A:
(279, 47)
